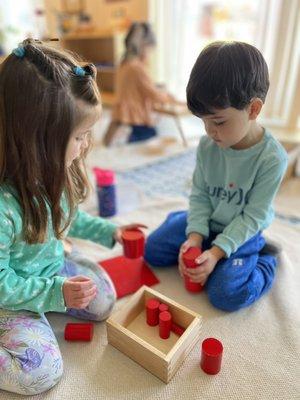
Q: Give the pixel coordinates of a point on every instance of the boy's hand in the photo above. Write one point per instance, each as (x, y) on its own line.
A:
(207, 262)
(79, 291)
(194, 240)
(118, 232)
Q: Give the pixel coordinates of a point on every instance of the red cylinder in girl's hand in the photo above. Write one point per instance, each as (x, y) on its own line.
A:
(189, 258)
(133, 243)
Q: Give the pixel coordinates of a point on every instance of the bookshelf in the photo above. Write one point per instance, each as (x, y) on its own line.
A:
(104, 49)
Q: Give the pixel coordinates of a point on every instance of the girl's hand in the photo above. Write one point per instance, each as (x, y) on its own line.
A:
(79, 291)
(207, 262)
(194, 240)
(118, 232)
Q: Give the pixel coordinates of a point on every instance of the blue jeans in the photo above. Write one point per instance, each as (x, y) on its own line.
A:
(30, 359)
(236, 282)
(141, 132)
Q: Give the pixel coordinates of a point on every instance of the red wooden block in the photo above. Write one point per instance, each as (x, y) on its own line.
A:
(152, 312)
(189, 258)
(177, 329)
(133, 243)
(211, 356)
(165, 322)
(79, 332)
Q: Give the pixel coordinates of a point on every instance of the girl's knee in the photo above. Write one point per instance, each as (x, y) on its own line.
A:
(105, 311)
(35, 381)
(102, 306)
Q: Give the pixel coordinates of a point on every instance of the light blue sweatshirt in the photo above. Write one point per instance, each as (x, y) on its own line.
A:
(233, 190)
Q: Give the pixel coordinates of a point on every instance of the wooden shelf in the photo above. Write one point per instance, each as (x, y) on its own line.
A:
(105, 70)
(108, 98)
(90, 34)
(98, 47)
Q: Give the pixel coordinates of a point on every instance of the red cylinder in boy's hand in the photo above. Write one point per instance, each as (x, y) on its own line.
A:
(211, 356)
(152, 312)
(189, 258)
(133, 243)
(165, 323)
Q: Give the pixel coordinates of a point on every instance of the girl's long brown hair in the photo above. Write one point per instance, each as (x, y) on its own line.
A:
(39, 110)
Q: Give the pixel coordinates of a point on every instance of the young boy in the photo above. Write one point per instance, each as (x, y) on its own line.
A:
(238, 172)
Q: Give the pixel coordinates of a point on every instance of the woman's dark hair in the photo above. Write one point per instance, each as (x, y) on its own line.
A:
(42, 101)
(140, 34)
(226, 74)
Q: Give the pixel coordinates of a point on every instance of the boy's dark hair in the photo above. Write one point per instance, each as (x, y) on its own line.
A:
(226, 74)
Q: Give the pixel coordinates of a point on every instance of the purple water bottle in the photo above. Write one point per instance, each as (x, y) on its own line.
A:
(106, 191)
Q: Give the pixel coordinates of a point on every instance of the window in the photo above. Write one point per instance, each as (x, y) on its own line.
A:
(184, 27)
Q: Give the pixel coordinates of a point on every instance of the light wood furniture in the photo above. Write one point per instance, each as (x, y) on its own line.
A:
(128, 331)
(102, 48)
(176, 111)
(293, 151)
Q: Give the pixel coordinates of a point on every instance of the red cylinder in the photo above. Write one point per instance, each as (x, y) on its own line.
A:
(163, 307)
(79, 332)
(211, 356)
(133, 243)
(177, 329)
(152, 312)
(165, 323)
(189, 258)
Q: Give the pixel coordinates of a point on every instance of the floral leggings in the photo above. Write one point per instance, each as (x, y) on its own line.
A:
(30, 359)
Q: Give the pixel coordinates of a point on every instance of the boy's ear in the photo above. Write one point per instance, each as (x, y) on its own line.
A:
(255, 108)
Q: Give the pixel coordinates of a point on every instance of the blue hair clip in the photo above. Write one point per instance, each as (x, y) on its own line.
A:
(19, 51)
(79, 71)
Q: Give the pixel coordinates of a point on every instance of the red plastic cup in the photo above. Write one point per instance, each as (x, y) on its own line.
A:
(133, 243)
(189, 258)
(211, 356)
(152, 312)
(79, 332)
(165, 323)
(163, 307)
(177, 329)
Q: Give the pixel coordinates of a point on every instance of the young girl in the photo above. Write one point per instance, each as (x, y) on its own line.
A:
(135, 91)
(48, 105)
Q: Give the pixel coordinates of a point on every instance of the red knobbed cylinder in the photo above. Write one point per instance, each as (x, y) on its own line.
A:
(211, 356)
(152, 312)
(165, 323)
(133, 243)
(189, 258)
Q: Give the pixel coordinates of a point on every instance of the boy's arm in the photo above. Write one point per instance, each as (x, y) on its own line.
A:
(200, 207)
(258, 212)
(96, 229)
(36, 294)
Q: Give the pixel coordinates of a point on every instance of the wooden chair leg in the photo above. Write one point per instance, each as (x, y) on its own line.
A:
(110, 133)
(179, 127)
